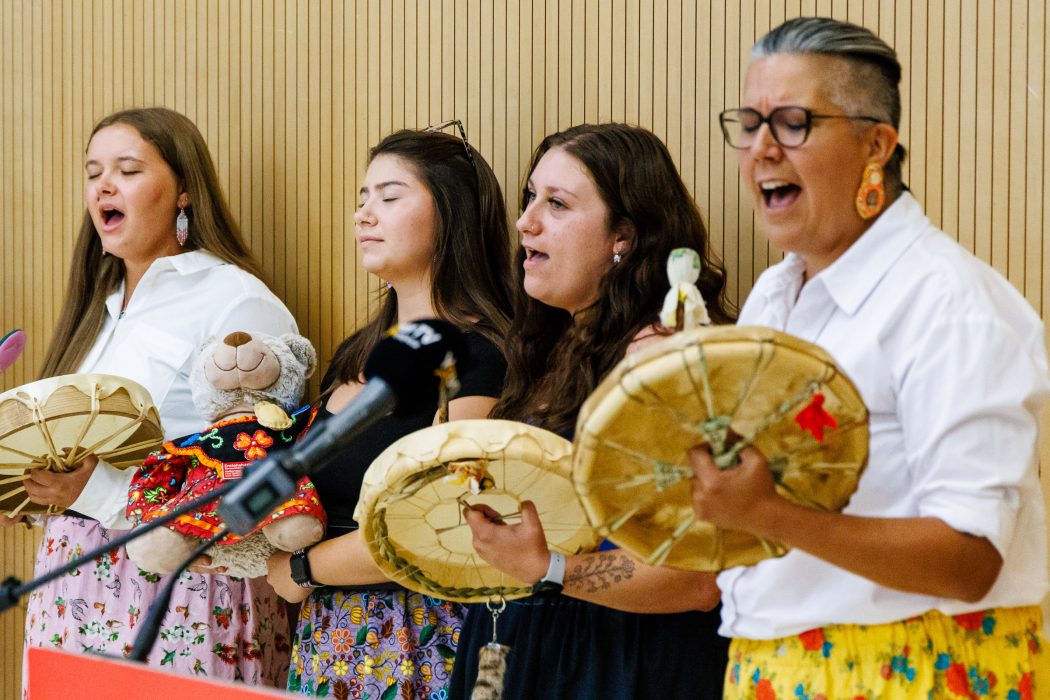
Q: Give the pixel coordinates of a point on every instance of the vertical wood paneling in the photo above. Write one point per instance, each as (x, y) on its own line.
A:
(1035, 165)
(290, 94)
(632, 59)
(950, 146)
(1016, 128)
(1000, 171)
(1042, 95)
(934, 105)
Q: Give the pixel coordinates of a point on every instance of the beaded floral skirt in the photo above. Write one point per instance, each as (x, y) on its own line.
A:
(374, 645)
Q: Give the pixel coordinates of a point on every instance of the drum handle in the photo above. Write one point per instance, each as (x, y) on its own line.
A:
(96, 406)
(93, 449)
(41, 425)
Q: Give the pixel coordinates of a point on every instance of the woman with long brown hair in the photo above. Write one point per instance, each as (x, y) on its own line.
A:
(159, 265)
(432, 223)
(603, 207)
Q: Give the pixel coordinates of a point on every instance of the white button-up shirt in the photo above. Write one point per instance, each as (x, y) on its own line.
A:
(951, 363)
(179, 303)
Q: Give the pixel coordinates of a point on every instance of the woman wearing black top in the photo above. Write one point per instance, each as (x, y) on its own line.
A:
(602, 209)
(432, 223)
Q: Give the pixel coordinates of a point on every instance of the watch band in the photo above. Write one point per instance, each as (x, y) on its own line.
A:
(553, 581)
(556, 569)
(300, 567)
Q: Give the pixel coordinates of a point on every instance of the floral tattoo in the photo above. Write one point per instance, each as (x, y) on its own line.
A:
(602, 571)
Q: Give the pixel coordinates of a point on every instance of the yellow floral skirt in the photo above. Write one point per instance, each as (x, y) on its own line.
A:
(998, 653)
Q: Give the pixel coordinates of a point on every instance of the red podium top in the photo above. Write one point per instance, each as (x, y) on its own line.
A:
(60, 675)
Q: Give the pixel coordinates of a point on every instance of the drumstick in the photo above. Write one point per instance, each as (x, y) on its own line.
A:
(492, 515)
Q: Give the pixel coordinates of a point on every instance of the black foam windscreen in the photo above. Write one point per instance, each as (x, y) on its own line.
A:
(409, 358)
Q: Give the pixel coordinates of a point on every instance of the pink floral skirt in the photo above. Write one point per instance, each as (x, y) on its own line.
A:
(219, 627)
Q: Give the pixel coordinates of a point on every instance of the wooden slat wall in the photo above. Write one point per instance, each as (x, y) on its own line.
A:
(290, 93)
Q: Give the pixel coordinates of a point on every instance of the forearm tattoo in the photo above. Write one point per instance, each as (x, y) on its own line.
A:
(601, 572)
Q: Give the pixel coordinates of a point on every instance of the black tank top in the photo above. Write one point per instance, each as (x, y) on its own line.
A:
(339, 484)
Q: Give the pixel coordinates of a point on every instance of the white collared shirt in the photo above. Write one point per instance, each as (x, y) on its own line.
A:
(179, 303)
(951, 362)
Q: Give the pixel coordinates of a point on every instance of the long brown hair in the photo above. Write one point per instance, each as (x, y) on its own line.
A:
(94, 276)
(470, 273)
(554, 360)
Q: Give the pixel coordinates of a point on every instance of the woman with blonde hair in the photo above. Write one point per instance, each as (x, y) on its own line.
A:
(159, 266)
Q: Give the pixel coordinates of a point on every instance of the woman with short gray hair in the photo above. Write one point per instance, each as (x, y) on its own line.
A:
(928, 584)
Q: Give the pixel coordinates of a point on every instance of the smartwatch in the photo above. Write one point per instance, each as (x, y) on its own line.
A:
(300, 566)
(553, 580)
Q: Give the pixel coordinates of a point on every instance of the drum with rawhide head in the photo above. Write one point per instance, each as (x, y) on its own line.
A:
(728, 387)
(412, 500)
(54, 423)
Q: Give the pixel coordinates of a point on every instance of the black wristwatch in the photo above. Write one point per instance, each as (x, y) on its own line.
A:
(301, 569)
(553, 580)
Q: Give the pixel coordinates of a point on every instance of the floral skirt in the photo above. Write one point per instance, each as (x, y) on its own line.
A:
(998, 653)
(216, 626)
(374, 645)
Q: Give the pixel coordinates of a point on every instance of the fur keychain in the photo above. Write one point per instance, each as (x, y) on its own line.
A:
(492, 662)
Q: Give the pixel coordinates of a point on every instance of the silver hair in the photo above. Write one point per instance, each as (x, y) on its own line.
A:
(870, 83)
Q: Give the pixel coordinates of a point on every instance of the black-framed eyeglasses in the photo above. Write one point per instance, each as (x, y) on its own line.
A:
(462, 135)
(789, 125)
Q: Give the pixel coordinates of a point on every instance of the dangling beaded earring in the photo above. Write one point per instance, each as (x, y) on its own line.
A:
(872, 193)
(182, 227)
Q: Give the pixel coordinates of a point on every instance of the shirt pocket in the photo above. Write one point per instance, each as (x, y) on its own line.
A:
(155, 359)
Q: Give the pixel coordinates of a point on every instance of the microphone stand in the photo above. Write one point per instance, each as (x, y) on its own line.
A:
(147, 636)
(12, 589)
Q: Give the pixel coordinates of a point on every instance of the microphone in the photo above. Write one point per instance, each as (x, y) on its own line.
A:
(403, 379)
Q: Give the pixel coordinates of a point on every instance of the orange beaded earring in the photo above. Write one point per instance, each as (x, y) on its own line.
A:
(872, 194)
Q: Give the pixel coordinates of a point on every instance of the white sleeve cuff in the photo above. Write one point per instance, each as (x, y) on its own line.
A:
(981, 515)
(105, 496)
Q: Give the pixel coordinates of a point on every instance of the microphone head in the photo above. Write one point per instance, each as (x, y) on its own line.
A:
(408, 360)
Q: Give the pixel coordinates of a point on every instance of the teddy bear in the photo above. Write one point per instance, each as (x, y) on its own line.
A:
(242, 384)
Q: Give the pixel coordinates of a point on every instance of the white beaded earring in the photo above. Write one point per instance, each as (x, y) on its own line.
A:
(182, 227)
